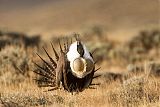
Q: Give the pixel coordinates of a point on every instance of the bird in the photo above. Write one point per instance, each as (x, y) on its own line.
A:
(73, 70)
(81, 61)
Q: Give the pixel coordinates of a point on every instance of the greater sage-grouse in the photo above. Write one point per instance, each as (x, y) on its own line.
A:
(73, 69)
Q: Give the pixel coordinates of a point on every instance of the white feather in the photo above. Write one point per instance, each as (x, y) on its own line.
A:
(73, 54)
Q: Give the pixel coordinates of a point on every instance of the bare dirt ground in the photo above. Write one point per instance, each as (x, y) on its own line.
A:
(125, 35)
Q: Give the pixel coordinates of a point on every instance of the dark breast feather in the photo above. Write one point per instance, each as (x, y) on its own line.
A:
(74, 84)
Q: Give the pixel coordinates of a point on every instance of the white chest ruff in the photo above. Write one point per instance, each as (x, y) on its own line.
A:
(80, 66)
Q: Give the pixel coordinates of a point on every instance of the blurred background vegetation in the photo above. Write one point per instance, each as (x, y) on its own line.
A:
(121, 18)
(125, 35)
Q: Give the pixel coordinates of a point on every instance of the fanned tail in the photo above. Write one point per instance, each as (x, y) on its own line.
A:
(47, 71)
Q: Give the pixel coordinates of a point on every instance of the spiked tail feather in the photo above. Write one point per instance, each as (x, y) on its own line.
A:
(55, 53)
(54, 65)
(45, 70)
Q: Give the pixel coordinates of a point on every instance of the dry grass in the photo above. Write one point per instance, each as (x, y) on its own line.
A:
(129, 57)
(137, 91)
(132, 86)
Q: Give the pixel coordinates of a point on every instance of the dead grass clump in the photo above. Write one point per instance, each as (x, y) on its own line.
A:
(101, 50)
(152, 69)
(94, 31)
(130, 93)
(145, 41)
(15, 64)
(135, 69)
(109, 77)
(20, 39)
(136, 91)
(25, 100)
